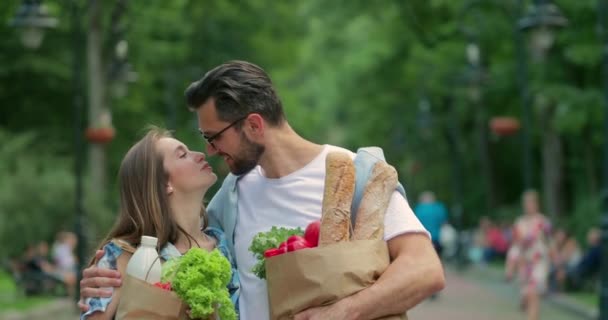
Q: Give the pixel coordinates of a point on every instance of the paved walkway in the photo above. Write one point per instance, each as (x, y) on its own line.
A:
(60, 309)
(471, 295)
(475, 294)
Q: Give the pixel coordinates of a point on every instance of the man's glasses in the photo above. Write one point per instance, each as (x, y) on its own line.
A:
(210, 139)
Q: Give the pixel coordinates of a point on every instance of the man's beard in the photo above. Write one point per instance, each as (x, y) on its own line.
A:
(248, 158)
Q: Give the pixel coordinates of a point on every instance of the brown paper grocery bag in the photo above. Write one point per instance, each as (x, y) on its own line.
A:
(141, 300)
(320, 276)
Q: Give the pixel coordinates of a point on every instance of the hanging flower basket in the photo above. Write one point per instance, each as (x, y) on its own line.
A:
(100, 135)
(504, 126)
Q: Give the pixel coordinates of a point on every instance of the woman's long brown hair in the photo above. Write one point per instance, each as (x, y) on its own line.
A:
(144, 203)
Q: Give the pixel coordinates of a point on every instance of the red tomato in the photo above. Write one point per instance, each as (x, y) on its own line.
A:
(312, 233)
(273, 252)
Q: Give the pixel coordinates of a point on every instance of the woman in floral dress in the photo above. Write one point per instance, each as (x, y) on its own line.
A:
(531, 237)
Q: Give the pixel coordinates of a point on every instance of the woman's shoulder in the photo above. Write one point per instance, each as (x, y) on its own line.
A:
(112, 251)
(541, 218)
(216, 233)
(122, 245)
(220, 239)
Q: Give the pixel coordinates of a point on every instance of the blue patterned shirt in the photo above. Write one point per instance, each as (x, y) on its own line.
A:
(112, 251)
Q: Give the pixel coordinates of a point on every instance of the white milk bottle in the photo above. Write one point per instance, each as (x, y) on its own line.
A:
(145, 262)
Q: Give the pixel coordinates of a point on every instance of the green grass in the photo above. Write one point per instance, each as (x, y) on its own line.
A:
(587, 298)
(7, 285)
(10, 299)
(497, 264)
(24, 303)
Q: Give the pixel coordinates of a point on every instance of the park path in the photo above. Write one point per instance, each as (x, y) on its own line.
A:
(472, 295)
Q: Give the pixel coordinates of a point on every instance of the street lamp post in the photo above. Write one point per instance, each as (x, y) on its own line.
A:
(32, 18)
(77, 55)
(452, 134)
(522, 70)
(603, 22)
(541, 21)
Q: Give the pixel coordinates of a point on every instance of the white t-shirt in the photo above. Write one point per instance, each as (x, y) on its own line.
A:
(291, 201)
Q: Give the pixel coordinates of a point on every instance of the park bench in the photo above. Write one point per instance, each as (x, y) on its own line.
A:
(30, 283)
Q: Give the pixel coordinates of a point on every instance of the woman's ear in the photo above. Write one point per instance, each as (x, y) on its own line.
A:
(169, 189)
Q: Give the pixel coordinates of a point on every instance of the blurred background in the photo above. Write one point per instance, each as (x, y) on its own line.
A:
(476, 100)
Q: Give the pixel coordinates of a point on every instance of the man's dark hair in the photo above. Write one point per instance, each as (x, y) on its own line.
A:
(238, 89)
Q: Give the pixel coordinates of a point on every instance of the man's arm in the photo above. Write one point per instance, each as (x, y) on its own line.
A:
(414, 274)
(94, 279)
(112, 308)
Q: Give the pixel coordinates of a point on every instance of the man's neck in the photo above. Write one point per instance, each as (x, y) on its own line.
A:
(286, 152)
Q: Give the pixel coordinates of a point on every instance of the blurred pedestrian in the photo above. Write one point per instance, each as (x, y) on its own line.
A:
(531, 240)
(433, 215)
(565, 257)
(448, 239)
(588, 266)
(38, 273)
(64, 259)
(495, 242)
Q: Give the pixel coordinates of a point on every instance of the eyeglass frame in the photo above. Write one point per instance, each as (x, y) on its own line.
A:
(210, 139)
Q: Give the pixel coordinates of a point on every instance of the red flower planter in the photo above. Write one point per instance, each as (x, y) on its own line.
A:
(100, 135)
(504, 126)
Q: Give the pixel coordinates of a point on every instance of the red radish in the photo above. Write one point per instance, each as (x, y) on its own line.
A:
(164, 286)
(297, 245)
(283, 246)
(273, 252)
(295, 238)
(312, 233)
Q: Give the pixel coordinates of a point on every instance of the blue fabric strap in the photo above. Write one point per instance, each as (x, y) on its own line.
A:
(364, 162)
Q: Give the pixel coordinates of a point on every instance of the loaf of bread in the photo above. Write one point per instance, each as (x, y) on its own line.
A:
(369, 222)
(337, 198)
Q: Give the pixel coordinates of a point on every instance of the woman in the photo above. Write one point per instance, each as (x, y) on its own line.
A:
(66, 267)
(162, 186)
(531, 238)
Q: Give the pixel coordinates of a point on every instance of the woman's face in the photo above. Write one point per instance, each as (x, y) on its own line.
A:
(530, 204)
(188, 171)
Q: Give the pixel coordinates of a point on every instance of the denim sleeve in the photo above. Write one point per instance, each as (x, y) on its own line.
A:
(107, 261)
(234, 286)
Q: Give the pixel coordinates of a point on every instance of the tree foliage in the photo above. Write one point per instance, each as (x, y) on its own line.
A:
(388, 73)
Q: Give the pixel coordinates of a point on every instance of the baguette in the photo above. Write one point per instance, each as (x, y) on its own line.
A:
(337, 198)
(369, 224)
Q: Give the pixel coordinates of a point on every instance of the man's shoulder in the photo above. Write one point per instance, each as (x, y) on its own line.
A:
(372, 151)
(333, 148)
(228, 183)
(221, 195)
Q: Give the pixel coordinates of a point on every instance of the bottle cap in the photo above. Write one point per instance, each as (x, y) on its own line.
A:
(149, 241)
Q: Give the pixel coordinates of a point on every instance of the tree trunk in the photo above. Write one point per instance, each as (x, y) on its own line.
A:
(99, 116)
(485, 159)
(589, 157)
(553, 160)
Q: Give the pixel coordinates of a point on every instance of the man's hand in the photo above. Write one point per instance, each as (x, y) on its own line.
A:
(336, 311)
(93, 279)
